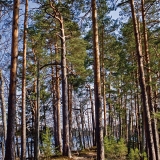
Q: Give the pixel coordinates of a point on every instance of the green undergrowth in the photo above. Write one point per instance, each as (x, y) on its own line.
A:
(136, 155)
(115, 149)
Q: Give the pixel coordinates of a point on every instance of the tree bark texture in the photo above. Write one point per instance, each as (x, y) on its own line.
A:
(10, 142)
(66, 147)
(143, 84)
(103, 82)
(70, 88)
(97, 85)
(58, 105)
(148, 82)
(54, 109)
(93, 116)
(37, 114)
(59, 18)
(3, 108)
(23, 136)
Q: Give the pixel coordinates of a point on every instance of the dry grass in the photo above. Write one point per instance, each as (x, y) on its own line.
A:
(87, 154)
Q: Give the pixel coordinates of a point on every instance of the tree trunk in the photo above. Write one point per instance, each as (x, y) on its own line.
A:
(66, 147)
(104, 107)
(17, 145)
(143, 84)
(103, 80)
(93, 117)
(148, 81)
(70, 88)
(59, 18)
(23, 135)
(54, 109)
(37, 119)
(138, 119)
(104, 91)
(79, 131)
(58, 105)
(88, 128)
(97, 85)
(4, 121)
(10, 143)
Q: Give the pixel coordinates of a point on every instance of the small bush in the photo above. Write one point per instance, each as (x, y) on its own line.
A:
(115, 149)
(136, 155)
(47, 145)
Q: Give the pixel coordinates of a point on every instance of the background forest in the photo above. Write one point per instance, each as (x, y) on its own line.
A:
(72, 78)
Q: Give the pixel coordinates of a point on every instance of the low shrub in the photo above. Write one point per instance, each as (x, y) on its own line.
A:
(136, 155)
(115, 149)
(46, 148)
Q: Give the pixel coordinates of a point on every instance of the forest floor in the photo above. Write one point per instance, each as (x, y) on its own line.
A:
(88, 154)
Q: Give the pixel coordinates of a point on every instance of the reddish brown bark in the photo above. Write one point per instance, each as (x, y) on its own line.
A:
(97, 85)
(23, 136)
(10, 144)
(142, 80)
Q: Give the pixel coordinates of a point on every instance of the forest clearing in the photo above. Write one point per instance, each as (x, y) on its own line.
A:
(80, 79)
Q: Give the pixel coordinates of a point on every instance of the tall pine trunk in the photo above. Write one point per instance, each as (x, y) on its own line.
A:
(56, 102)
(70, 88)
(148, 81)
(66, 147)
(58, 105)
(23, 135)
(143, 85)
(103, 82)
(54, 108)
(59, 18)
(10, 143)
(37, 114)
(97, 85)
(3, 109)
(93, 116)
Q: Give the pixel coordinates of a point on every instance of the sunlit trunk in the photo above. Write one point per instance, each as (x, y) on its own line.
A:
(148, 82)
(10, 143)
(143, 85)
(3, 108)
(66, 147)
(23, 135)
(97, 85)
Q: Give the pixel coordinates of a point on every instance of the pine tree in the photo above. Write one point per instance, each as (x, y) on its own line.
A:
(23, 138)
(97, 85)
(10, 144)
